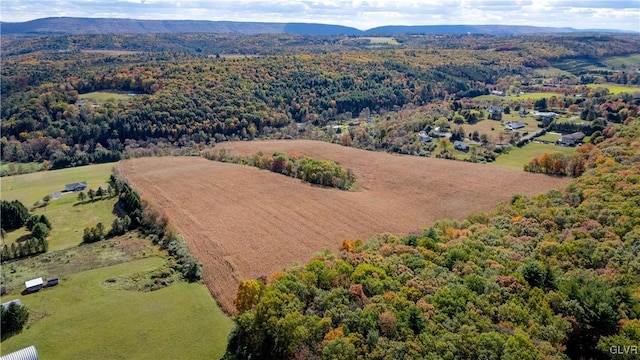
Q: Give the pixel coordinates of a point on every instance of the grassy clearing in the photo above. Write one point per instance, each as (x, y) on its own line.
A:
(68, 218)
(615, 88)
(84, 318)
(102, 97)
(618, 62)
(579, 65)
(524, 97)
(550, 137)
(29, 188)
(375, 40)
(64, 263)
(552, 72)
(518, 157)
(19, 168)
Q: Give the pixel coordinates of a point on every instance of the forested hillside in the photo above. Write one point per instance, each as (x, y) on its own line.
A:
(164, 100)
(554, 276)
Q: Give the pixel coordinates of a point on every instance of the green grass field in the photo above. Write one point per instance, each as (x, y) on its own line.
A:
(518, 157)
(29, 188)
(87, 318)
(526, 96)
(627, 61)
(550, 137)
(552, 72)
(20, 168)
(615, 88)
(102, 97)
(68, 217)
(375, 40)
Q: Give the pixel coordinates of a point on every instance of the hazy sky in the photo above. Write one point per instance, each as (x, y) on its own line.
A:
(362, 14)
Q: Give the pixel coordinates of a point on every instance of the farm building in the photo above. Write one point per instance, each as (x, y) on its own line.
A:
(571, 139)
(495, 112)
(52, 281)
(33, 285)
(16, 301)
(79, 186)
(424, 137)
(546, 116)
(28, 353)
(515, 125)
(459, 145)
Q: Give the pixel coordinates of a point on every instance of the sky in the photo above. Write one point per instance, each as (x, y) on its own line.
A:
(361, 14)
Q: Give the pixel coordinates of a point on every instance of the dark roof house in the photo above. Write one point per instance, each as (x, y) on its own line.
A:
(572, 139)
(495, 112)
(79, 186)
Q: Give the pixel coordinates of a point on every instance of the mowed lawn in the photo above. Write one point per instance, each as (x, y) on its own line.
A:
(68, 217)
(104, 96)
(84, 317)
(29, 188)
(615, 88)
(519, 156)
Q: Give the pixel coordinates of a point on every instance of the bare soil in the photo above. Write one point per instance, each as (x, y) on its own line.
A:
(243, 223)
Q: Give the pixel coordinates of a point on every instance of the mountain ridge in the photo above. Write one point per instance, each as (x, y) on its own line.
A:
(78, 25)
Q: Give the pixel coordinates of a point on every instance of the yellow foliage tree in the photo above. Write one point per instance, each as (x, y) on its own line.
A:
(248, 295)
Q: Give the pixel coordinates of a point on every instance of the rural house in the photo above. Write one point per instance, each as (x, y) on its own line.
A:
(79, 186)
(462, 146)
(546, 116)
(515, 125)
(28, 353)
(572, 139)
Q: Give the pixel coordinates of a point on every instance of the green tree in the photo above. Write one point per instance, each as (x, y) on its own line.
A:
(13, 214)
(100, 192)
(520, 347)
(14, 318)
(82, 196)
(40, 231)
(92, 194)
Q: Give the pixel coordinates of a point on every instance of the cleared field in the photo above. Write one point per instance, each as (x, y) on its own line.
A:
(532, 96)
(86, 318)
(627, 61)
(243, 223)
(29, 188)
(68, 218)
(104, 96)
(518, 157)
(615, 88)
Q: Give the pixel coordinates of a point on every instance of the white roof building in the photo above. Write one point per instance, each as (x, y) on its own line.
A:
(33, 282)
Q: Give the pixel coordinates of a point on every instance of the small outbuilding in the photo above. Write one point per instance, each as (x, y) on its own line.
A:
(424, 137)
(33, 285)
(461, 145)
(53, 281)
(16, 301)
(28, 353)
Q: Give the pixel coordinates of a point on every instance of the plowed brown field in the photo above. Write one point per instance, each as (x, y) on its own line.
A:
(242, 222)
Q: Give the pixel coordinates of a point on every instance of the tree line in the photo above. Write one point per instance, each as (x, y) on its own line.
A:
(307, 169)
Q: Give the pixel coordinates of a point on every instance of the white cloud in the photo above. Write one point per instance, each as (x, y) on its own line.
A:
(616, 14)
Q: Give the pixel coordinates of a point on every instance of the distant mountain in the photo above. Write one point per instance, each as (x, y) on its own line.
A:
(468, 29)
(70, 25)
